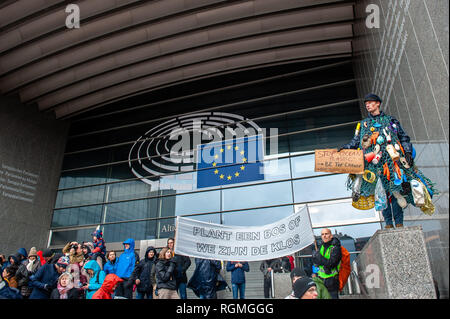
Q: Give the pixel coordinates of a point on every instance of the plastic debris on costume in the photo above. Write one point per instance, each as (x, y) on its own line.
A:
(385, 162)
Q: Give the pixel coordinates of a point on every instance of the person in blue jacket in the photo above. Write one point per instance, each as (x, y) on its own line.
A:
(125, 266)
(46, 278)
(238, 270)
(111, 263)
(96, 275)
(7, 292)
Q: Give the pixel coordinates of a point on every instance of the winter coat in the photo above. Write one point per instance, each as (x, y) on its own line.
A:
(183, 263)
(237, 273)
(110, 267)
(165, 277)
(74, 257)
(332, 283)
(106, 289)
(43, 282)
(23, 276)
(143, 272)
(99, 244)
(206, 280)
(127, 260)
(74, 293)
(8, 293)
(96, 281)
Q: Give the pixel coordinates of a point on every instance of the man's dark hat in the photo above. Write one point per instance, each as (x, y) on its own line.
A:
(298, 272)
(302, 285)
(372, 97)
(47, 253)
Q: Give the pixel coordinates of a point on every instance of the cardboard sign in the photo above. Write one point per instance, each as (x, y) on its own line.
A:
(346, 161)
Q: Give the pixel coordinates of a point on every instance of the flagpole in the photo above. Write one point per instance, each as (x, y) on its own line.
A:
(310, 223)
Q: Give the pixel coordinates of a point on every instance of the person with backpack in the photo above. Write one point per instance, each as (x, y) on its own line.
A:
(97, 276)
(328, 259)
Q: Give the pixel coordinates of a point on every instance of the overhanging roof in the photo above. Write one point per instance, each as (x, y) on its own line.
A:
(126, 47)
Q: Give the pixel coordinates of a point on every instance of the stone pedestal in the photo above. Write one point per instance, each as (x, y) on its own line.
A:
(394, 265)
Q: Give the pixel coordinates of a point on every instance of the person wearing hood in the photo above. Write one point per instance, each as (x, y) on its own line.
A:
(111, 264)
(30, 267)
(107, 289)
(125, 266)
(22, 255)
(96, 278)
(328, 259)
(65, 288)
(144, 274)
(12, 260)
(46, 278)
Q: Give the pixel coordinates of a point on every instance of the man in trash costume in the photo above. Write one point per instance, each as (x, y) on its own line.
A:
(389, 159)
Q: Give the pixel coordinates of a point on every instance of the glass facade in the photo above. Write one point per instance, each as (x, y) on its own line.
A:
(98, 185)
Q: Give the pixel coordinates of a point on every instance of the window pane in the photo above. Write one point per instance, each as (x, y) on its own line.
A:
(257, 196)
(80, 196)
(138, 209)
(339, 213)
(136, 230)
(64, 237)
(257, 217)
(129, 190)
(77, 216)
(179, 205)
(304, 166)
(84, 177)
(321, 188)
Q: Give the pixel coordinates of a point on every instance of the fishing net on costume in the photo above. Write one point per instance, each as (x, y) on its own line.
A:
(384, 160)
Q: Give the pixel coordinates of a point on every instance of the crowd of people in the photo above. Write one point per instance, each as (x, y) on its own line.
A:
(88, 271)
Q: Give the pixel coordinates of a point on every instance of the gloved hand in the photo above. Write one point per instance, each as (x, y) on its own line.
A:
(409, 159)
(48, 287)
(340, 149)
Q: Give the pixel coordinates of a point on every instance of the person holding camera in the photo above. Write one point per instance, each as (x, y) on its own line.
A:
(76, 262)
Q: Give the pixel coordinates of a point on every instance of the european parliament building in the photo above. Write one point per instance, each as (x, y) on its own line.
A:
(96, 97)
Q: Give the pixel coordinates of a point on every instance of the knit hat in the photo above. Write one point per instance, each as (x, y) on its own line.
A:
(47, 253)
(372, 97)
(33, 252)
(302, 285)
(63, 261)
(298, 272)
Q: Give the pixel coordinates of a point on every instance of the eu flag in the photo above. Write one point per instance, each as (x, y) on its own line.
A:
(230, 161)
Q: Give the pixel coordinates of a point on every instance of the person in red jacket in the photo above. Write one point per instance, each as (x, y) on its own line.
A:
(109, 285)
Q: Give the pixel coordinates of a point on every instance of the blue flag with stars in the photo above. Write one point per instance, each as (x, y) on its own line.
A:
(230, 161)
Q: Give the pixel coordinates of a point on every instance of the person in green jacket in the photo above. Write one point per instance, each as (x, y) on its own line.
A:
(322, 291)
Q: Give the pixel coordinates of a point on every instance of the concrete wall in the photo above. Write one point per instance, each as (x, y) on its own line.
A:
(31, 152)
(406, 62)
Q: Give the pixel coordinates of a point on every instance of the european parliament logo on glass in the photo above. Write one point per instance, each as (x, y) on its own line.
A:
(230, 161)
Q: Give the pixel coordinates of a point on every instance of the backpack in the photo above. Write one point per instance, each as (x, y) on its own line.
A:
(345, 269)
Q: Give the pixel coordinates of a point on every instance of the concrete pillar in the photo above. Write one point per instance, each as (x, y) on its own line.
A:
(394, 264)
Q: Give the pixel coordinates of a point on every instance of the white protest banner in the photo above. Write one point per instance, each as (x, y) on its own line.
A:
(244, 243)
